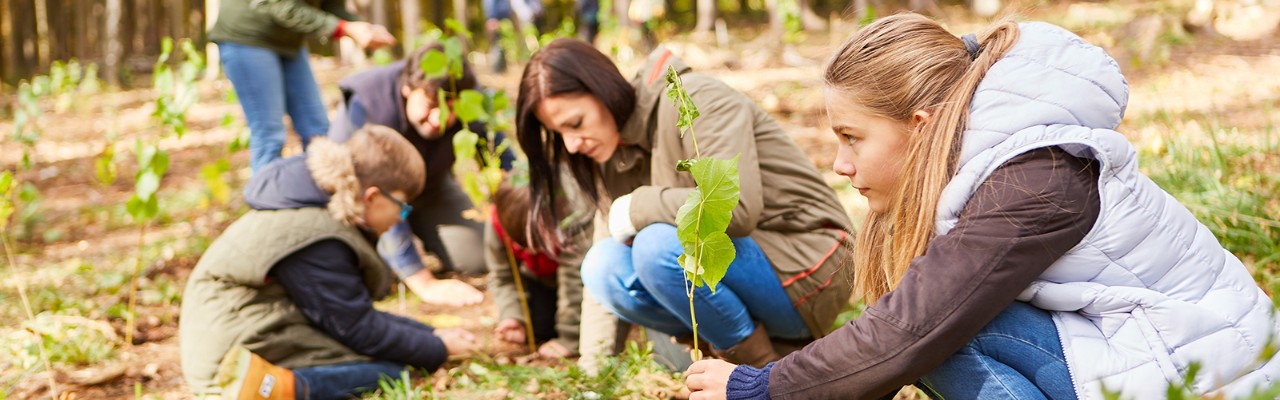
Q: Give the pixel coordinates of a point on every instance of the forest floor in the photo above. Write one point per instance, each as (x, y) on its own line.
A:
(1202, 114)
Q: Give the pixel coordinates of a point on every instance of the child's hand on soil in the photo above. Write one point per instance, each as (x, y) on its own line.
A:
(510, 330)
(553, 349)
(445, 292)
(457, 341)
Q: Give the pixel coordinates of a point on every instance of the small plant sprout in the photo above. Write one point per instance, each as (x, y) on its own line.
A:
(7, 183)
(702, 220)
(175, 94)
(478, 160)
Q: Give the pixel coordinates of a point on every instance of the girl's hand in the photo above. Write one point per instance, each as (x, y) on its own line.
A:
(707, 379)
(510, 330)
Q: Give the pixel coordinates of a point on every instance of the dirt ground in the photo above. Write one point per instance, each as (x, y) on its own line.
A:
(1232, 80)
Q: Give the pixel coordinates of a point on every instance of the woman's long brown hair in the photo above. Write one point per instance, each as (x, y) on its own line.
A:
(565, 66)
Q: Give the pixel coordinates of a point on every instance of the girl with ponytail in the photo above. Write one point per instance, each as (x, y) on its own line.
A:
(1013, 248)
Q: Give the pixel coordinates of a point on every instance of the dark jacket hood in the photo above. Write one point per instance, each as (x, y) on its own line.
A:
(284, 184)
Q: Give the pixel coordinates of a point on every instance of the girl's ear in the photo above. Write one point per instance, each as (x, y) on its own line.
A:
(369, 194)
(405, 91)
(920, 118)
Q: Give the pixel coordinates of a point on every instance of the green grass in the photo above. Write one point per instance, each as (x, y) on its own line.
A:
(632, 375)
(1231, 185)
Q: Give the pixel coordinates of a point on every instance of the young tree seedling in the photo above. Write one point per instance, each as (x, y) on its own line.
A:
(702, 220)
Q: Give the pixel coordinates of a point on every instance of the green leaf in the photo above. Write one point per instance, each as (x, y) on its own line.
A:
(105, 165)
(470, 106)
(434, 64)
(704, 217)
(716, 252)
(6, 180)
(500, 101)
(464, 144)
(160, 163)
(211, 174)
(453, 53)
(457, 28)
(166, 48)
(148, 183)
(142, 210)
(684, 104)
(442, 101)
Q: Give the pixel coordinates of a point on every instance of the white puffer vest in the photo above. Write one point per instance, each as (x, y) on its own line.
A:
(1149, 290)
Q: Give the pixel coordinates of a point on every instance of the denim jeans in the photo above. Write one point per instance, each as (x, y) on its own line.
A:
(643, 284)
(267, 85)
(342, 381)
(1016, 356)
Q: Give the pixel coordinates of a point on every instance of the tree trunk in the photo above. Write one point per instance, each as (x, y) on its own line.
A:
(409, 16)
(460, 11)
(706, 15)
(212, 63)
(115, 49)
(6, 40)
(378, 12)
(42, 32)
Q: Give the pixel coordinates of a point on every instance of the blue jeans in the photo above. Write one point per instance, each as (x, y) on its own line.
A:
(643, 284)
(1016, 356)
(341, 381)
(267, 85)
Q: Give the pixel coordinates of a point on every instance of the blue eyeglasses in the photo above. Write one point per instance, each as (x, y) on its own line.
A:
(405, 208)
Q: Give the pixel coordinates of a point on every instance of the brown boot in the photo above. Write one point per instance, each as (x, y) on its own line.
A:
(788, 346)
(756, 350)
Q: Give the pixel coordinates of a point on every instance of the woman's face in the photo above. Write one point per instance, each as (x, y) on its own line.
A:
(584, 123)
(871, 148)
(420, 107)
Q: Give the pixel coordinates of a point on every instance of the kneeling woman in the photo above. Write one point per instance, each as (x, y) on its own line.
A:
(619, 141)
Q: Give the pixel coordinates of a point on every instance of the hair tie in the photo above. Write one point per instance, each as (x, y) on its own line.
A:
(971, 45)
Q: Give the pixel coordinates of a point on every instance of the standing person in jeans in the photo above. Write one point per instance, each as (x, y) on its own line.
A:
(262, 49)
(401, 97)
(620, 143)
(284, 297)
(1014, 248)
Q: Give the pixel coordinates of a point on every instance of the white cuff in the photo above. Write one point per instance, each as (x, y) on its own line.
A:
(620, 220)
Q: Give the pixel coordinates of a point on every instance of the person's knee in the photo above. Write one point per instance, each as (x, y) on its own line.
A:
(465, 248)
(654, 252)
(601, 269)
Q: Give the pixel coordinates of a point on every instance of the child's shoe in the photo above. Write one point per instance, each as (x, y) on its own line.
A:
(246, 376)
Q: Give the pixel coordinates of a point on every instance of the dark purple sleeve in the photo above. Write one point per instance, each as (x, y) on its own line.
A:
(1025, 216)
(324, 282)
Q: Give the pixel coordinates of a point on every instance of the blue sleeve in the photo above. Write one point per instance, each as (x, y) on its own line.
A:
(324, 282)
(748, 383)
(350, 117)
(396, 248)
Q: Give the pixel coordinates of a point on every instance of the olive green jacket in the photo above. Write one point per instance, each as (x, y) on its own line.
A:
(230, 301)
(785, 206)
(277, 25)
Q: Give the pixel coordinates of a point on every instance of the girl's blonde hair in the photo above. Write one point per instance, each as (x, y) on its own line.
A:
(894, 67)
(374, 156)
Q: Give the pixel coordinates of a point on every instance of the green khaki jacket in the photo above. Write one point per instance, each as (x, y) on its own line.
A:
(277, 25)
(229, 300)
(785, 206)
